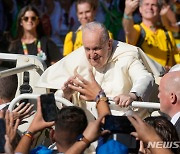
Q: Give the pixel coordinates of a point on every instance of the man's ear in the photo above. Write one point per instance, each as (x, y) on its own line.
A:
(173, 98)
(52, 135)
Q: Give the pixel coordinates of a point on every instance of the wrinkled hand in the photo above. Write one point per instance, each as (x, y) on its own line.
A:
(124, 100)
(38, 122)
(88, 89)
(130, 6)
(67, 91)
(144, 131)
(11, 125)
(22, 112)
(92, 131)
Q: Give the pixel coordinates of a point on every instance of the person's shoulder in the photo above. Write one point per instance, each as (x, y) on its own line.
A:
(69, 34)
(122, 49)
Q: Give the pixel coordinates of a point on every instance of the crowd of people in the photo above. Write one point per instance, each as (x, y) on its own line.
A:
(84, 63)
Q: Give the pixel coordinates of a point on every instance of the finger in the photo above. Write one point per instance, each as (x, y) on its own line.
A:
(127, 103)
(138, 119)
(19, 107)
(75, 71)
(81, 79)
(7, 118)
(39, 105)
(133, 121)
(77, 83)
(27, 110)
(28, 115)
(16, 124)
(91, 75)
(135, 134)
(11, 118)
(104, 132)
(83, 97)
(116, 99)
(79, 89)
(1, 113)
(23, 108)
(49, 124)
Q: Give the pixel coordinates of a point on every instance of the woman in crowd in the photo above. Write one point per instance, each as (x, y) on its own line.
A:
(86, 11)
(30, 38)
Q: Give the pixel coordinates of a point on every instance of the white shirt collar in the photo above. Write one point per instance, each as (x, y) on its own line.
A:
(175, 118)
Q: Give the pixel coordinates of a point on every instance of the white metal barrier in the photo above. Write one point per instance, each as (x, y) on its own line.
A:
(35, 96)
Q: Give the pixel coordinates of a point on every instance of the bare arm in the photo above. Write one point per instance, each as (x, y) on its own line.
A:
(168, 18)
(37, 124)
(128, 22)
(147, 133)
(91, 133)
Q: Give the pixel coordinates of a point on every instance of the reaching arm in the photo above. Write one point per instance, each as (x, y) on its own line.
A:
(147, 134)
(128, 22)
(168, 18)
(91, 133)
(37, 125)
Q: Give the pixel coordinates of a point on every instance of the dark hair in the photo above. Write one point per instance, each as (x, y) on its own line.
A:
(72, 119)
(19, 18)
(93, 3)
(8, 87)
(165, 129)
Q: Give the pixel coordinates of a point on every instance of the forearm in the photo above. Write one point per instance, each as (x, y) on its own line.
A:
(128, 24)
(103, 108)
(24, 145)
(169, 25)
(77, 148)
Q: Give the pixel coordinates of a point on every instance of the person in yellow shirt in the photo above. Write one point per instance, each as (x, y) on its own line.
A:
(86, 10)
(157, 43)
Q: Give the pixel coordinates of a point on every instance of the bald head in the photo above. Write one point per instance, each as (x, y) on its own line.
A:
(169, 93)
(171, 81)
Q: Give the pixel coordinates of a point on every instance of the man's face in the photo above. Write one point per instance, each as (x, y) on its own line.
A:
(149, 9)
(85, 13)
(97, 52)
(163, 97)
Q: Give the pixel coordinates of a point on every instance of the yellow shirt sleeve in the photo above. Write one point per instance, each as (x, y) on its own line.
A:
(138, 29)
(68, 44)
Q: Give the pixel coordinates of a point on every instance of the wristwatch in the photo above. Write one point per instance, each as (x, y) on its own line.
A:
(82, 138)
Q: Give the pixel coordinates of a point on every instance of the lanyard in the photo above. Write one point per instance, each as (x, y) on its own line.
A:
(40, 53)
(26, 50)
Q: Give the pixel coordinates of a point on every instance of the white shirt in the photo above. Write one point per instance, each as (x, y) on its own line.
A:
(175, 118)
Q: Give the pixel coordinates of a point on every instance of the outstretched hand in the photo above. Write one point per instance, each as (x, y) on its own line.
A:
(88, 89)
(11, 124)
(23, 111)
(38, 122)
(144, 131)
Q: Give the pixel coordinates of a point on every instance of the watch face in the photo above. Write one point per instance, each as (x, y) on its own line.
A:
(80, 137)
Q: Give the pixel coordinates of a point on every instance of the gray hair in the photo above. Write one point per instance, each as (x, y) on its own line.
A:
(159, 3)
(94, 26)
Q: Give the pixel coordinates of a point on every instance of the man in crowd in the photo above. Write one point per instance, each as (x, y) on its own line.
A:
(116, 66)
(156, 42)
(169, 95)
